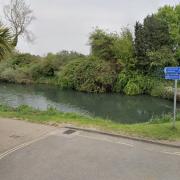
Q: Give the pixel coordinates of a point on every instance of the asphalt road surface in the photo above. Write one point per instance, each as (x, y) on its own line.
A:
(88, 156)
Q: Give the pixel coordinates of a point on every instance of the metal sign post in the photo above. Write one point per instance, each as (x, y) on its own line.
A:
(175, 94)
(173, 73)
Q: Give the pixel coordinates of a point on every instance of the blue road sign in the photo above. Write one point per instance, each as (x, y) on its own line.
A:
(172, 76)
(172, 70)
(173, 73)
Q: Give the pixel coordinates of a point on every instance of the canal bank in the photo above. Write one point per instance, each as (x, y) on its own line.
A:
(158, 129)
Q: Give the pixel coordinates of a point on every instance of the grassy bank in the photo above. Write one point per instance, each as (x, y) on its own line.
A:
(158, 128)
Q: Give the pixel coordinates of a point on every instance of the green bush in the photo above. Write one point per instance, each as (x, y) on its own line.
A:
(132, 89)
(157, 90)
(89, 75)
(45, 68)
(121, 82)
(134, 83)
(35, 71)
(8, 75)
(20, 60)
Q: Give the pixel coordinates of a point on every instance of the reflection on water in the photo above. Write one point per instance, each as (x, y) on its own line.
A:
(119, 108)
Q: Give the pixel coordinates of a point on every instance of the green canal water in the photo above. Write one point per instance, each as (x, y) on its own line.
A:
(117, 107)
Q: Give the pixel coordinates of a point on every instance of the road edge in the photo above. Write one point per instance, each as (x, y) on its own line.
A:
(123, 136)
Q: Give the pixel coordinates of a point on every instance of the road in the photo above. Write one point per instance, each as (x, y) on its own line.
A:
(87, 156)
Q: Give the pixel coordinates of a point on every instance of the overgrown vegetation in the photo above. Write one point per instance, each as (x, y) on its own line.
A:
(118, 62)
(159, 128)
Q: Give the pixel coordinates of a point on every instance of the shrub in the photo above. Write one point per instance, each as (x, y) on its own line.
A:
(8, 74)
(89, 75)
(23, 59)
(44, 68)
(47, 68)
(157, 90)
(121, 82)
(35, 71)
(132, 89)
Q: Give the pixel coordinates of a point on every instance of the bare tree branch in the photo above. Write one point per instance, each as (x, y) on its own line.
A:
(20, 16)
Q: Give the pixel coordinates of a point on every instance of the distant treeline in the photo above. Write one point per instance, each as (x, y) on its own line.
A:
(125, 62)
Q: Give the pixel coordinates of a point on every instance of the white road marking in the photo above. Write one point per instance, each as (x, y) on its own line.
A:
(107, 140)
(130, 145)
(127, 144)
(80, 135)
(23, 145)
(171, 153)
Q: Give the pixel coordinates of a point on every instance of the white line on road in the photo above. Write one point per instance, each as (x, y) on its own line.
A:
(171, 153)
(23, 145)
(107, 140)
(130, 145)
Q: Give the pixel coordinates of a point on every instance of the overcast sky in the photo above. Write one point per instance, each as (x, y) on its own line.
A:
(66, 24)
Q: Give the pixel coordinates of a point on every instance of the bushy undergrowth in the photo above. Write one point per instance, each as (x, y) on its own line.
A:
(133, 83)
(89, 75)
(27, 68)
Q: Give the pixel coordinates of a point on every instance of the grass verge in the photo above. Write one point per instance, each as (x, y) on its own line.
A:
(157, 128)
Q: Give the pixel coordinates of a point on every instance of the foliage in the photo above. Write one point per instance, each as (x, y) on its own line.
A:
(123, 46)
(119, 62)
(151, 36)
(112, 46)
(140, 47)
(5, 42)
(171, 16)
(132, 88)
(21, 60)
(89, 75)
(160, 59)
(134, 83)
(101, 44)
(26, 68)
(156, 33)
(121, 81)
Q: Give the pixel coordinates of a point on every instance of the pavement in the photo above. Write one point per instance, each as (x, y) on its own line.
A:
(45, 153)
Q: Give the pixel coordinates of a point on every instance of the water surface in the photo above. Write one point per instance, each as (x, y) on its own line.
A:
(117, 107)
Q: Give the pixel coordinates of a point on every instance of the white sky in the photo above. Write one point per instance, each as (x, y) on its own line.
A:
(66, 24)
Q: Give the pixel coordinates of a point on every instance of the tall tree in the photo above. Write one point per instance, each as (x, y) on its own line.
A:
(171, 15)
(123, 45)
(19, 16)
(101, 44)
(140, 45)
(156, 33)
(150, 36)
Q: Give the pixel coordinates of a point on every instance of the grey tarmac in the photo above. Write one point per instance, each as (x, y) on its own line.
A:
(54, 155)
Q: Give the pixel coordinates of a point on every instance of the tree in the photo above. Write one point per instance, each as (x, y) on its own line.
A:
(150, 36)
(156, 33)
(5, 42)
(123, 46)
(112, 46)
(140, 46)
(160, 59)
(171, 15)
(102, 44)
(19, 16)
